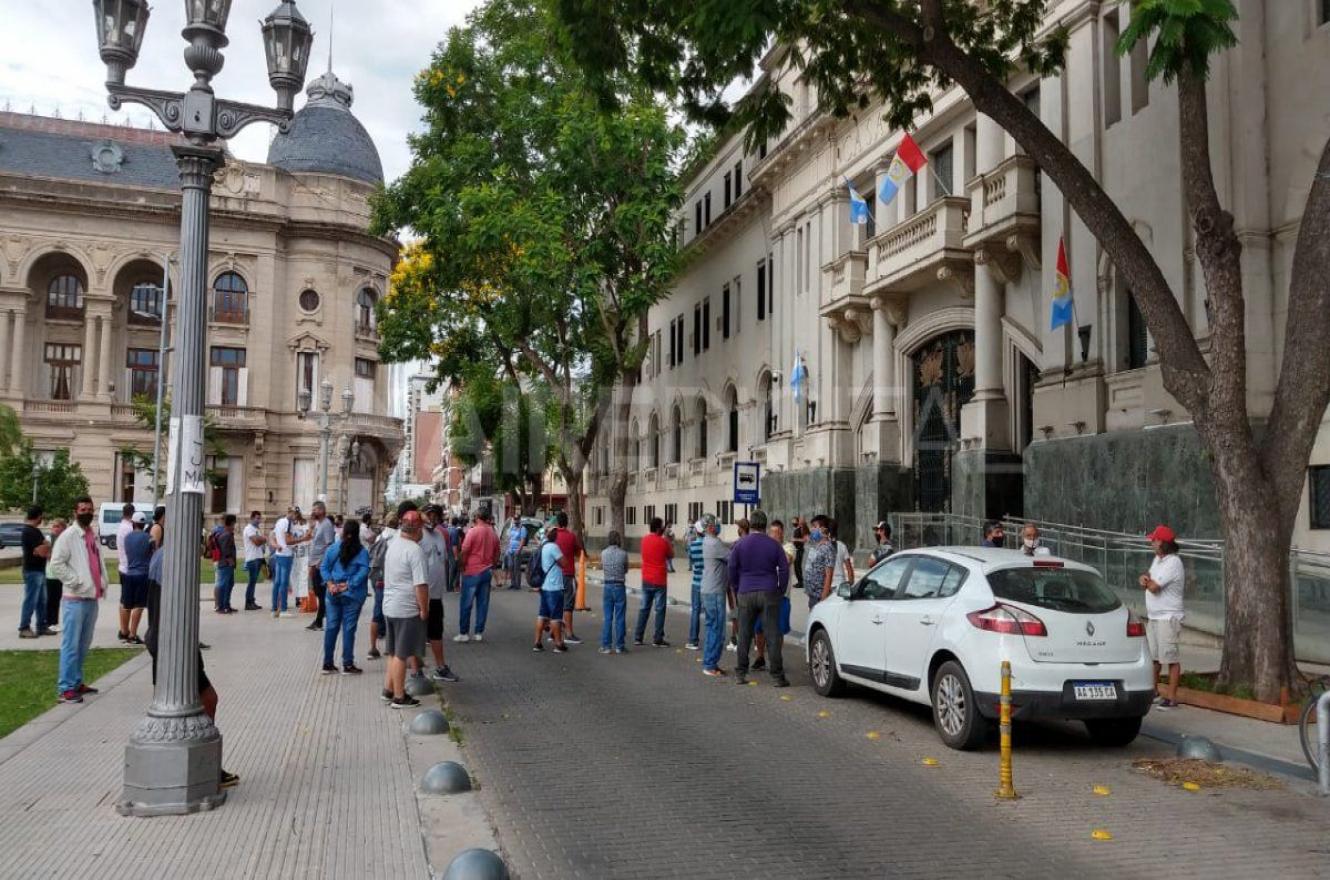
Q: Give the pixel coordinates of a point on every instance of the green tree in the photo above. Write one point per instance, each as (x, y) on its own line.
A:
(10, 431)
(145, 413)
(892, 54)
(545, 224)
(59, 481)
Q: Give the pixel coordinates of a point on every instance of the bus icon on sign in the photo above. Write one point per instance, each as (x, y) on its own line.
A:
(747, 482)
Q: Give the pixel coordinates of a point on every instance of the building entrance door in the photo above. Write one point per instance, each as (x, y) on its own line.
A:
(943, 383)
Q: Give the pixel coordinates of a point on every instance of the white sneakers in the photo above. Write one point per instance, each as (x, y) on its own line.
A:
(478, 638)
(461, 637)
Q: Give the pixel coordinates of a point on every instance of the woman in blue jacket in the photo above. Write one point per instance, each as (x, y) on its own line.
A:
(345, 570)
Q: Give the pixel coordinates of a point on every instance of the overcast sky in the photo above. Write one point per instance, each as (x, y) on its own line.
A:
(48, 59)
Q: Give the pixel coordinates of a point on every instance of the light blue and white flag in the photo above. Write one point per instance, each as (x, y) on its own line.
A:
(798, 376)
(858, 206)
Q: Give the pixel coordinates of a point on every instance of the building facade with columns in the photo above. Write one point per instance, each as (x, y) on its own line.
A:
(88, 215)
(934, 381)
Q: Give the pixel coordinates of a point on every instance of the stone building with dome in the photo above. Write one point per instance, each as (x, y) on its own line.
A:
(89, 212)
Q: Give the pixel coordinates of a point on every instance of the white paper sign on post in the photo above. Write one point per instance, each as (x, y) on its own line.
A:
(193, 462)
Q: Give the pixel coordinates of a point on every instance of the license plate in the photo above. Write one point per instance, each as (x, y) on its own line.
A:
(1095, 690)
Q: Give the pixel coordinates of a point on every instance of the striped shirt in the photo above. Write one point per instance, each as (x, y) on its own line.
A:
(695, 561)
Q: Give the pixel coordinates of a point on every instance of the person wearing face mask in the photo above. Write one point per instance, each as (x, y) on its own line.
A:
(881, 531)
(1030, 544)
(76, 561)
(994, 535)
(819, 561)
(254, 542)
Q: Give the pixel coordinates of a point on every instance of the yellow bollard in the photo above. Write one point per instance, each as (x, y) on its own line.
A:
(1006, 790)
(581, 604)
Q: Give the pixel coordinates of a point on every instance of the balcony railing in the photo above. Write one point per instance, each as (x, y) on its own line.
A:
(228, 414)
(848, 273)
(229, 313)
(48, 406)
(1004, 201)
(911, 253)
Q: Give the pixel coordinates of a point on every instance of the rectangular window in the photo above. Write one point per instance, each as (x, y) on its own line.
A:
(143, 366)
(365, 368)
(941, 161)
(728, 178)
(630, 515)
(61, 361)
(671, 360)
(145, 304)
(706, 324)
(739, 176)
(725, 512)
(228, 364)
(706, 209)
(762, 290)
(656, 354)
(671, 513)
(737, 286)
(771, 284)
(762, 147)
(1112, 69)
(725, 312)
(600, 515)
(799, 256)
(307, 376)
(1318, 477)
(648, 514)
(1324, 12)
(1140, 86)
(697, 329)
(808, 256)
(732, 429)
(697, 217)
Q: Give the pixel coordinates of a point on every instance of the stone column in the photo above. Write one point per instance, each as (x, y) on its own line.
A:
(989, 404)
(89, 358)
(104, 369)
(4, 346)
(173, 759)
(18, 384)
(884, 364)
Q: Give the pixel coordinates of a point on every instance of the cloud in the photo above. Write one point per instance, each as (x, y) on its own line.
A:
(50, 62)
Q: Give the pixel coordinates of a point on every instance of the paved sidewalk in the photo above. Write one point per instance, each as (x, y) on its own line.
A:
(326, 786)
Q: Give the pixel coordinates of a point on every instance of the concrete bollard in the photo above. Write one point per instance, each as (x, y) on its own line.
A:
(419, 686)
(428, 723)
(1323, 738)
(1006, 788)
(446, 777)
(476, 864)
(1199, 748)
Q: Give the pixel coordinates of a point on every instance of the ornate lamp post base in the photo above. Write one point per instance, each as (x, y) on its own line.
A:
(172, 767)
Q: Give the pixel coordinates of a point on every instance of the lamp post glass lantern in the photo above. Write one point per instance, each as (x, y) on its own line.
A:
(173, 758)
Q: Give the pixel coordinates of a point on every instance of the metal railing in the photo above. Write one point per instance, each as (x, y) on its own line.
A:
(1121, 557)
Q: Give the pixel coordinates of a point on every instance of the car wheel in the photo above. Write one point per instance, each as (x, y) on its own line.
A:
(1113, 732)
(822, 665)
(955, 711)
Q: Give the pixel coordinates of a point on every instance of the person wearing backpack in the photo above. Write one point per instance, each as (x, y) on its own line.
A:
(548, 578)
(378, 553)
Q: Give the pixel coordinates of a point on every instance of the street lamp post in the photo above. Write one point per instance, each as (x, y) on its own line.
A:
(173, 759)
(326, 419)
(163, 347)
(36, 475)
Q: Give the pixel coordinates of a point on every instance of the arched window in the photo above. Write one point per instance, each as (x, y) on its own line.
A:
(365, 320)
(653, 442)
(701, 428)
(635, 437)
(676, 444)
(731, 420)
(64, 297)
(230, 299)
(145, 303)
(768, 409)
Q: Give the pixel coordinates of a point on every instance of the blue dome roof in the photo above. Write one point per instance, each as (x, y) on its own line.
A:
(324, 138)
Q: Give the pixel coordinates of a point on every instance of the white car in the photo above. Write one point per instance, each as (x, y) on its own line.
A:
(934, 625)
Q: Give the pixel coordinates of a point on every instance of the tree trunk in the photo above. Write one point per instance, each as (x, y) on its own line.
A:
(576, 501)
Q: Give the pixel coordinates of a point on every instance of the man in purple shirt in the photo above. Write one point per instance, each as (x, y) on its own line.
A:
(760, 574)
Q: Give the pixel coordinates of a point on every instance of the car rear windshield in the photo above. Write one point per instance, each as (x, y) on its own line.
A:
(1058, 589)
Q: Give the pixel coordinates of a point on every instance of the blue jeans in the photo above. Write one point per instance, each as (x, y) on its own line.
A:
(377, 612)
(343, 615)
(475, 589)
(252, 568)
(615, 611)
(34, 600)
(695, 615)
(651, 594)
(714, 606)
(281, 580)
(226, 581)
(75, 639)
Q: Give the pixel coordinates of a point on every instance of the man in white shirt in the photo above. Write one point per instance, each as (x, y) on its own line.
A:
(1163, 587)
(282, 560)
(405, 606)
(254, 541)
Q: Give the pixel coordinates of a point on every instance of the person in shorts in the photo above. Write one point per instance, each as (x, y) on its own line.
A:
(1163, 586)
(434, 542)
(405, 607)
(135, 553)
(551, 598)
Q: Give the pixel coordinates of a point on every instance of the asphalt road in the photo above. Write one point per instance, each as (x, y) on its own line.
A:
(638, 766)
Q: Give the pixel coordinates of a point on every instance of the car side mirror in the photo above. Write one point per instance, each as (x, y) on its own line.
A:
(845, 590)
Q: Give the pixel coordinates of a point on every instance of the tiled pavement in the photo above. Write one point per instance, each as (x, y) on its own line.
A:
(325, 790)
(637, 766)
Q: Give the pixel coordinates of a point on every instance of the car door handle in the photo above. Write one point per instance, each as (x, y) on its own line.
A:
(927, 621)
(877, 621)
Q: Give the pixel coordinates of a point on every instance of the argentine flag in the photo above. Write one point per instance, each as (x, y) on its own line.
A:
(798, 376)
(1064, 306)
(858, 206)
(906, 163)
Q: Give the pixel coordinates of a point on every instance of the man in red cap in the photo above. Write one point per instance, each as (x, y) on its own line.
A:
(1163, 587)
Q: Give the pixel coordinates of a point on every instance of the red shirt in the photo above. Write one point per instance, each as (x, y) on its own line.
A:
(480, 548)
(655, 550)
(571, 549)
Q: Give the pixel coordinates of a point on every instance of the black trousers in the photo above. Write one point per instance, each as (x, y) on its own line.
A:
(767, 607)
(320, 592)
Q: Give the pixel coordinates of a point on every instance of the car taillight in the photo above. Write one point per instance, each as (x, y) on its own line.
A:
(1135, 626)
(1008, 619)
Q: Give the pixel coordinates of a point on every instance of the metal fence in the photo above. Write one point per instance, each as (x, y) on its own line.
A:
(1122, 557)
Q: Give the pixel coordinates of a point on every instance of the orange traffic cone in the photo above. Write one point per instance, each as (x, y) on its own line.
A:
(581, 584)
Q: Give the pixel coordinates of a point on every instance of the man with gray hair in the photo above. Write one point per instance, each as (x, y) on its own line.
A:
(759, 571)
(323, 537)
(614, 566)
(714, 591)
